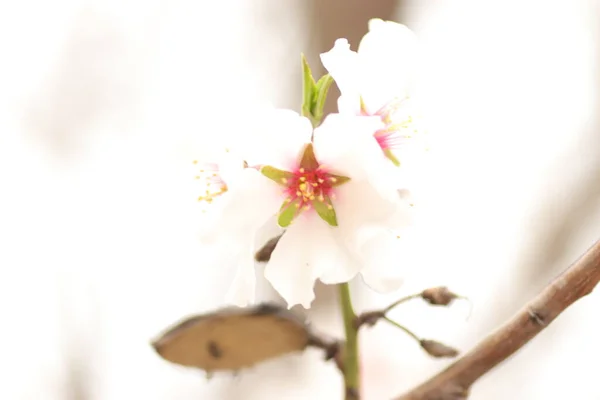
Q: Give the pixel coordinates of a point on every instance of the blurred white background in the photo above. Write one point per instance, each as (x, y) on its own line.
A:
(100, 101)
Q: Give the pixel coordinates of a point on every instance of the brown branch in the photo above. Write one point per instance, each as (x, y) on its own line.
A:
(454, 382)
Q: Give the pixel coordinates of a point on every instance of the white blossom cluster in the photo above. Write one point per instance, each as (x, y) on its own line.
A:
(337, 187)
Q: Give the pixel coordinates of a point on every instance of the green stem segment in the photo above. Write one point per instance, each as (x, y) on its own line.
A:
(350, 354)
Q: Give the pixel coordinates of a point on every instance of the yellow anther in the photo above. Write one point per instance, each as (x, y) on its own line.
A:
(312, 197)
(306, 207)
(321, 180)
(302, 186)
(321, 197)
(333, 179)
(315, 184)
(303, 178)
(298, 193)
(329, 207)
(284, 180)
(301, 170)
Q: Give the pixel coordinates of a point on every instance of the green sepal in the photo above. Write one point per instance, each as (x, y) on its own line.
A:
(309, 161)
(287, 213)
(326, 213)
(339, 180)
(314, 94)
(320, 96)
(308, 89)
(279, 176)
(388, 153)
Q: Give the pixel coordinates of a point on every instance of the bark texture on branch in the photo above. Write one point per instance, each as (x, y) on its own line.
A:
(454, 382)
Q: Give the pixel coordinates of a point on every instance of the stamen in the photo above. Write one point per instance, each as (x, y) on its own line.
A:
(212, 184)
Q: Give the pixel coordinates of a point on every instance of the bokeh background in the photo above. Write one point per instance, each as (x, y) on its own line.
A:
(100, 100)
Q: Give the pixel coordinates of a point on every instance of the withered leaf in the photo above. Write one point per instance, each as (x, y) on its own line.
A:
(233, 338)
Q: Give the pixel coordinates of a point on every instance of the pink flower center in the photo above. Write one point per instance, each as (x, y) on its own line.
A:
(393, 136)
(307, 186)
(304, 186)
(398, 124)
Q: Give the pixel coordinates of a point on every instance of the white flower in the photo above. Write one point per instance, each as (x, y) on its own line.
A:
(234, 206)
(375, 82)
(313, 184)
(337, 225)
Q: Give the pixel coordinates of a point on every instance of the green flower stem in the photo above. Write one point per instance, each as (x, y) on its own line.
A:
(350, 353)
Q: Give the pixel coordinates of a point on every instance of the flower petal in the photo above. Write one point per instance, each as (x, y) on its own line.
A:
(249, 202)
(362, 213)
(236, 252)
(387, 258)
(388, 54)
(343, 65)
(345, 144)
(242, 291)
(307, 251)
(280, 140)
(357, 204)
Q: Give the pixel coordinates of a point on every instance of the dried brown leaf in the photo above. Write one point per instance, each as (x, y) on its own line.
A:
(233, 338)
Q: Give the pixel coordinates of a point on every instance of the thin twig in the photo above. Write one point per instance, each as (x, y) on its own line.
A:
(432, 347)
(403, 328)
(435, 296)
(402, 300)
(454, 382)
